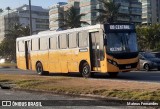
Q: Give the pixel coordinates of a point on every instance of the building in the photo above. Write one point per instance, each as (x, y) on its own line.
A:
(150, 12)
(20, 15)
(130, 11)
(56, 11)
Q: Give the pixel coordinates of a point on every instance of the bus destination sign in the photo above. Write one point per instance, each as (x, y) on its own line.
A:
(120, 27)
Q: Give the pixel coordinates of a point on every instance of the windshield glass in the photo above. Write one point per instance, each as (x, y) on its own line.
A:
(148, 55)
(121, 42)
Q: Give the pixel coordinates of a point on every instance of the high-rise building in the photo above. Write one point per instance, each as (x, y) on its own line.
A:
(150, 12)
(20, 15)
(56, 11)
(130, 10)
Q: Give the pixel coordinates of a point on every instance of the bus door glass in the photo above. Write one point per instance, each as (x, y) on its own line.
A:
(27, 54)
(95, 50)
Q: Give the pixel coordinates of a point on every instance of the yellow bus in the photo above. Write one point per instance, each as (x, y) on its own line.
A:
(103, 48)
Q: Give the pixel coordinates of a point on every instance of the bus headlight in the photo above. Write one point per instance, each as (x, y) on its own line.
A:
(112, 62)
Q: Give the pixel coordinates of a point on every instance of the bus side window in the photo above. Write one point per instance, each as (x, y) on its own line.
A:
(21, 46)
(83, 39)
(53, 43)
(35, 44)
(43, 44)
(63, 41)
(72, 40)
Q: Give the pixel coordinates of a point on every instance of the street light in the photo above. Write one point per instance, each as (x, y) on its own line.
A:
(30, 17)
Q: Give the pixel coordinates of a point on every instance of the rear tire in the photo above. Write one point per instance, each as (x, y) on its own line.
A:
(85, 70)
(39, 68)
(147, 67)
(113, 74)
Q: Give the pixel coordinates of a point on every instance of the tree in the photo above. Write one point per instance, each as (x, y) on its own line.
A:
(1, 10)
(149, 37)
(8, 45)
(109, 13)
(70, 19)
(8, 8)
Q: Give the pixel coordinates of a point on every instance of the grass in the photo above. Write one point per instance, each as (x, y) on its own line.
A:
(69, 85)
(8, 65)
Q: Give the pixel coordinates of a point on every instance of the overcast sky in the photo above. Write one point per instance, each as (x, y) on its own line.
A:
(16, 3)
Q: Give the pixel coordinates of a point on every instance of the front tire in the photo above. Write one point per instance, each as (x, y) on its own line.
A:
(113, 74)
(147, 67)
(85, 70)
(39, 68)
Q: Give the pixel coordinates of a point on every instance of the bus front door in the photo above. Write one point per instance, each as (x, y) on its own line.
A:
(95, 51)
(27, 54)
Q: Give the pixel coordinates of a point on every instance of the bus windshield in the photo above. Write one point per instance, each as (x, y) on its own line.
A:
(121, 42)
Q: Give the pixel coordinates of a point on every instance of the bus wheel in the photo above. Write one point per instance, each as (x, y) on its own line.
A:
(85, 70)
(113, 74)
(39, 68)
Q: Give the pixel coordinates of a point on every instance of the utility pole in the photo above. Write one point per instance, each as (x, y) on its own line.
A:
(30, 17)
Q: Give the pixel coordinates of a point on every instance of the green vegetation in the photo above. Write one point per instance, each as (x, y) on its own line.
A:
(109, 13)
(8, 45)
(77, 86)
(149, 37)
(70, 19)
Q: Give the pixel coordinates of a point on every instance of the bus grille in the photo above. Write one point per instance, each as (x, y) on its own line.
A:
(127, 66)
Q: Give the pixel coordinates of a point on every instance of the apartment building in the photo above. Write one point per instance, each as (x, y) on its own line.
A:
(150, 12)
(40, 19)
(130, 11)
(56, 11)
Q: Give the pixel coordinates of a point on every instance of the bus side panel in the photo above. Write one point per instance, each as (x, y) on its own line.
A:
(84, 54)
(54, 61)
(43, 58)
(34, 59)
(21, 61)
(64, 61)
(73, 65)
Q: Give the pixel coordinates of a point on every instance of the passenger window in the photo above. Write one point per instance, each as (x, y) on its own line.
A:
(72, 40)
(35, 44)
(63, 41)
(21, 46)
(43, 44)
(83, 39)
(53, 43)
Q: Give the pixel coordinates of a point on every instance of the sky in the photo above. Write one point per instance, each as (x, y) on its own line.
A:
(15, 3)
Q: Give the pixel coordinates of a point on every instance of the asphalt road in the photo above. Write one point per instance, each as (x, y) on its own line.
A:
(7, 95)
(142, 76)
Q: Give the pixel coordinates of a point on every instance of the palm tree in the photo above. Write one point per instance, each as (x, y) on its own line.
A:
(8, 8)
(1, 10)
(109, 13)
(70, 19)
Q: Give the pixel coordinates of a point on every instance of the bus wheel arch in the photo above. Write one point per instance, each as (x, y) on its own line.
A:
(39, 68)
(85, 69)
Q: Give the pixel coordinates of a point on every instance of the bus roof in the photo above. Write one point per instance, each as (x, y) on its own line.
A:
(44, 33)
